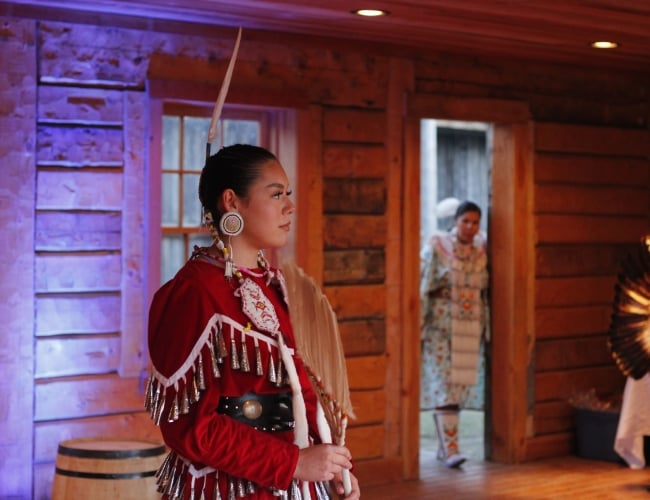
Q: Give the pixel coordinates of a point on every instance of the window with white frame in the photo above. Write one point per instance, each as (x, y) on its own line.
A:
(184, 133)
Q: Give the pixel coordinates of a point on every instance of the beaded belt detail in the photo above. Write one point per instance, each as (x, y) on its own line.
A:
(266, 412)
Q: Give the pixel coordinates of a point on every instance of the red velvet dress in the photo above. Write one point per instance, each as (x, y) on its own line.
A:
(200, 342)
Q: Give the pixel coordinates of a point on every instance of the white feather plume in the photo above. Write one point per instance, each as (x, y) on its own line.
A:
(447, 207)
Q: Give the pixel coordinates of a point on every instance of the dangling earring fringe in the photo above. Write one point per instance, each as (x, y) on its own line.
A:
(227, 253)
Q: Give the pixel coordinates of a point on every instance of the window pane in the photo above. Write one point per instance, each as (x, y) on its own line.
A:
(183, 149)
(171, 142)
(200, 240)
(170, 203)
(195, 135)
(191, 203)
(172, 257)
(241, 132)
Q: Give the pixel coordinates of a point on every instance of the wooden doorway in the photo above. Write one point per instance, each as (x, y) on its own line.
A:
(512, 270)
(456, 163)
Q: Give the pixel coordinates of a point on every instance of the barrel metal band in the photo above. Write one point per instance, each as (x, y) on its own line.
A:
(104, 475)
(111, 454)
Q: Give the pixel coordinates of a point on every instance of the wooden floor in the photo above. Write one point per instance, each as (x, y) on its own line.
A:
(564, 478)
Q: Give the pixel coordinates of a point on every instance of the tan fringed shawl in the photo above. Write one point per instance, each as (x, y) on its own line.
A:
(318, 341)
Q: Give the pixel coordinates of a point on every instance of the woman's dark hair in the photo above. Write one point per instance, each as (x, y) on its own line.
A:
(467, 206)
(233, 167)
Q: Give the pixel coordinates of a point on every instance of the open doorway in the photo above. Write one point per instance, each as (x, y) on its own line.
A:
(455, 163)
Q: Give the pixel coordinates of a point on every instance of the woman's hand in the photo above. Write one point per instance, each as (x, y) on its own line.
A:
(355, 493)
(323, 462)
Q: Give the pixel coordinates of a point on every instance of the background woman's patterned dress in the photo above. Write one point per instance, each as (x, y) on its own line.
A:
(450, 273)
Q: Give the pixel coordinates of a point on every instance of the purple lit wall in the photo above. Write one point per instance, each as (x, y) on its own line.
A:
(17, 193)
(73, 196)
(75, 192)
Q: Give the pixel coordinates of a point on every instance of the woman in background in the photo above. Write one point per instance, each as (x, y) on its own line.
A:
(454, 311)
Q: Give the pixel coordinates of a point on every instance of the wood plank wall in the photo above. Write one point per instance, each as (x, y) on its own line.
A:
(88, 291)
(89, 296)
(85, 147)
(354, 264)
(18, 90)
(592, 192)
(91, 198)
(591, 205)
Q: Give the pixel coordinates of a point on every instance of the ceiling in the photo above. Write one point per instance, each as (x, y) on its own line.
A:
(538, 30)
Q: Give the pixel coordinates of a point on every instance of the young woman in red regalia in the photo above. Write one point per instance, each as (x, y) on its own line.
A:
(228, 389)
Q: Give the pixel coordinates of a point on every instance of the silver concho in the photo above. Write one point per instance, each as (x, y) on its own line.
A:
(252, 409)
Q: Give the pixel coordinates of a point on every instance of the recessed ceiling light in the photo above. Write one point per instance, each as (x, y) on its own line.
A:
(370, 12)
(603, 44)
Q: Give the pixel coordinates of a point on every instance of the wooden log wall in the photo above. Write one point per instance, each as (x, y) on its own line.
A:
(591, 151)
(592, 192)
(89, 202)
(354, 209)
(89, 295)
(17, 192)
(90, 130)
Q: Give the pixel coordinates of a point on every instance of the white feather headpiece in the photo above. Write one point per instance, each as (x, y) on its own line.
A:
(447, 207)
(221, 98)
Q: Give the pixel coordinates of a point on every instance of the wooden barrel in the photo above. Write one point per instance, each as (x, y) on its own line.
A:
(104, 468)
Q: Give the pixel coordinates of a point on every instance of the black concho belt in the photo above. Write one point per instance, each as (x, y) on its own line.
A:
(266, 412)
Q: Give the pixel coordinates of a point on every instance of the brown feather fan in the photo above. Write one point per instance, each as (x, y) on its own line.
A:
(319, 344)
(629, 332)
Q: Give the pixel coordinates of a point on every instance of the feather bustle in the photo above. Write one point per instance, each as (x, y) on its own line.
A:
(629, 331)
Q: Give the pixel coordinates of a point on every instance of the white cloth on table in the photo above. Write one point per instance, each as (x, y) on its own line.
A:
(634, 422)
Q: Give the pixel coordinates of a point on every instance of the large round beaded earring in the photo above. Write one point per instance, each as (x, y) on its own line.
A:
(231, 224)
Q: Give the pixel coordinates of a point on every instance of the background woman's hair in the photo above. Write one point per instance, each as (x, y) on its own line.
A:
(467, 206)
(233, 167)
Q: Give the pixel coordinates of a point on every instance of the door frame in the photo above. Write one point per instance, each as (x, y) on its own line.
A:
(511, 246)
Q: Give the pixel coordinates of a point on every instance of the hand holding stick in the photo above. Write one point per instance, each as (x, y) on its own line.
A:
(336, 421)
